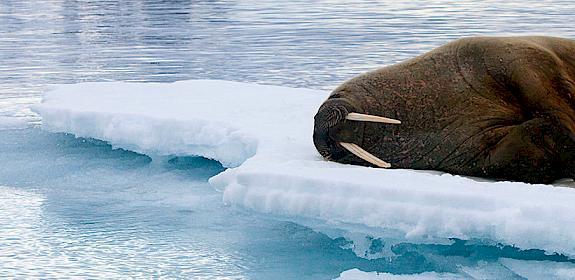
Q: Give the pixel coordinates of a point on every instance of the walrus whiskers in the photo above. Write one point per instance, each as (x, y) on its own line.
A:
(365, 155)
(370, 118)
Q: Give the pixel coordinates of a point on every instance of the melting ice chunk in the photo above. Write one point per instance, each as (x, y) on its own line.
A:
(263, 134)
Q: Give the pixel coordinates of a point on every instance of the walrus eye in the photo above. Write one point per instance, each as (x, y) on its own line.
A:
(365, 155)
(370, 118)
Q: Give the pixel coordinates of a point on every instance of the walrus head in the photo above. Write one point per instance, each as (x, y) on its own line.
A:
(338, 131)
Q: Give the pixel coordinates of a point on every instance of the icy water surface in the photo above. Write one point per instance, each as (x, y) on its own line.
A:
(312, 44)
(76, 208)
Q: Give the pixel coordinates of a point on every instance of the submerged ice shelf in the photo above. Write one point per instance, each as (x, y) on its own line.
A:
(263, 135)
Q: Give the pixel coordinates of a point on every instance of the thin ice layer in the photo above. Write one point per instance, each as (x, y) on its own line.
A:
(264, 134)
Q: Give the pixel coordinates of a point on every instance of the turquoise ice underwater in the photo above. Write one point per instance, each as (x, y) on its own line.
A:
(76, 207)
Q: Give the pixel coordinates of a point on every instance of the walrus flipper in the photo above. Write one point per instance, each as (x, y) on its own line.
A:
(524, 154)
(543, 81)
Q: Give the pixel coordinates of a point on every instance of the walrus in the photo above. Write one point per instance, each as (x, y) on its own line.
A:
(495, 107)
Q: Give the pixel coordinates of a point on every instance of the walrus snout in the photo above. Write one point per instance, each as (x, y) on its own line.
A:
(329, 129)
(338, 126)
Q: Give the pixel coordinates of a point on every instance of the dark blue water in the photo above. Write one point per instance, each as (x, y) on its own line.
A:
(76, 208)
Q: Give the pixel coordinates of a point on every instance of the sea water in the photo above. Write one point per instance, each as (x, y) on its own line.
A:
(75, 208)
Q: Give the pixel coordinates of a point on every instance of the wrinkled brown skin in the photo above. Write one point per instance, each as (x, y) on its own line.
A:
(495, 107)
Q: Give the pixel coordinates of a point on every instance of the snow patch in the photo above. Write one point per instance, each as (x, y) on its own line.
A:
(264, 135)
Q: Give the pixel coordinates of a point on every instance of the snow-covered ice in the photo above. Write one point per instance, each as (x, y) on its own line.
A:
(504, 269)
(356, 274)
(263, 134)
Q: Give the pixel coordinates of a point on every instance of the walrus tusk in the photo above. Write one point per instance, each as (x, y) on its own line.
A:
(370, 118)
(363, 154)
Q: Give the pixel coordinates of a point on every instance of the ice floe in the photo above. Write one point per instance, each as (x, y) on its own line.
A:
(263, 134)
(504, 269)
(356, 274)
